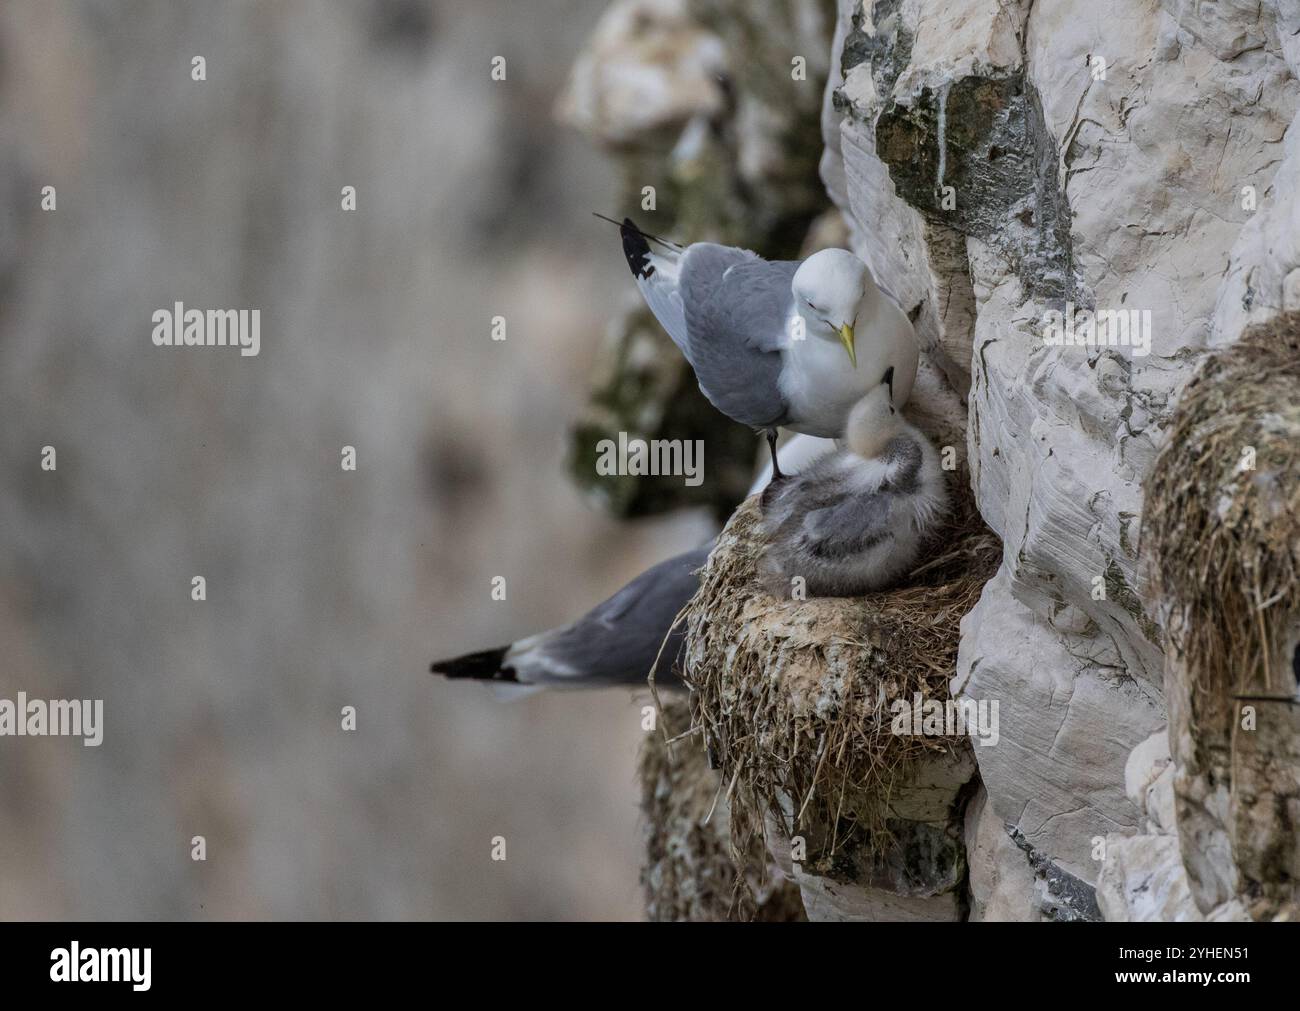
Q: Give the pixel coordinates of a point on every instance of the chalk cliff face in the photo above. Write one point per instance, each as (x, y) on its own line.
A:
(1102, 158)
(1129, 172)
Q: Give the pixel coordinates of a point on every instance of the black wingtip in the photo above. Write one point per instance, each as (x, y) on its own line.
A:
(635, 248)
(485, 665)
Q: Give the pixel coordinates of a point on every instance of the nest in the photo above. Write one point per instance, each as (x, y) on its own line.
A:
(1224, 536)
(793, 697)
(689, 872)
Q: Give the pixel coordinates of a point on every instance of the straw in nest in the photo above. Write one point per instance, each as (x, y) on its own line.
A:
(793, 700)
(1222, 520)
(689, 873)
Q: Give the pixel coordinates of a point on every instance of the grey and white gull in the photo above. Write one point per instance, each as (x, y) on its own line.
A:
(855, 520)
(617, 641)
(776, 344)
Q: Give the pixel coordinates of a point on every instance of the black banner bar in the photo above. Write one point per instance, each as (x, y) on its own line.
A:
(140, 960)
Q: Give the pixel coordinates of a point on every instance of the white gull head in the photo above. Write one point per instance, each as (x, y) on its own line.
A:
(828, 290)
(851, 332)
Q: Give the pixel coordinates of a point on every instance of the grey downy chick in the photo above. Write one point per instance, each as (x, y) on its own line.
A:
(855, 520)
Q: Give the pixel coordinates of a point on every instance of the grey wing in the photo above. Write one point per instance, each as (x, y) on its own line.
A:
(851, 525)
(656, 278)
(658, 286)
(735, 308)
(659, 278)
(616, 642)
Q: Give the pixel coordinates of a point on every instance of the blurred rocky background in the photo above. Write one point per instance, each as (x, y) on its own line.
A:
(325, 588)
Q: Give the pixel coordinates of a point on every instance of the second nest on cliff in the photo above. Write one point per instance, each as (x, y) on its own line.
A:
(793, 697)
(1222, 521)
(690, 872)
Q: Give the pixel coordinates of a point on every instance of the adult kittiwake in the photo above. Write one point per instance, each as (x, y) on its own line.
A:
(615, 643)
(776, 343)
(856, 519)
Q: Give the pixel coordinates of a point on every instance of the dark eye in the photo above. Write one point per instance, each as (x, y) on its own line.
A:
(812, 307)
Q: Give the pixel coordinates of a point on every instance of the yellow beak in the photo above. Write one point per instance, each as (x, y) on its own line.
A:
(846, 338)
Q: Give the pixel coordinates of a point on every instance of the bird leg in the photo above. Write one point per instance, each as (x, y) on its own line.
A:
(771, 445)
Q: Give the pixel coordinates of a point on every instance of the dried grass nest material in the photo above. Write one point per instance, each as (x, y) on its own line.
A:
(793, 697)
(1224, 538)
(689, 874)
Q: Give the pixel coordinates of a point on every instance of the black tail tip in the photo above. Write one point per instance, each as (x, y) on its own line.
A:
(635, 248)
(485, 665)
